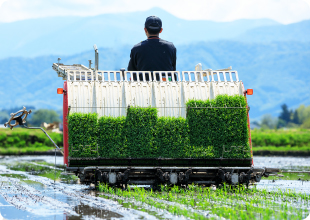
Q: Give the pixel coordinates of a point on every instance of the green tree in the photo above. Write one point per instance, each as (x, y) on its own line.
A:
(285, 115)
(303, 113)
(44, 115)
(281, 123)
(295, 119)
(306, 123)
(4, 117)
(268, 122)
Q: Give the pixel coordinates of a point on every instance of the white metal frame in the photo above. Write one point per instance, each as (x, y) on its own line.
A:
(109, 93)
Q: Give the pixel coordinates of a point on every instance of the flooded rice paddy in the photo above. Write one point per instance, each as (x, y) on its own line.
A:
(28, 191)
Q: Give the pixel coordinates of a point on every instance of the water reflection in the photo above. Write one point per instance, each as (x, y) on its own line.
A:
(86, 211)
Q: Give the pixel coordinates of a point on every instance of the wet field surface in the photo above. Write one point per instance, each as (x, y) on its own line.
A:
(300, 182)
(28, 191)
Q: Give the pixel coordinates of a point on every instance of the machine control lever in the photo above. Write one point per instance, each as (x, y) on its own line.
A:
(19, 118)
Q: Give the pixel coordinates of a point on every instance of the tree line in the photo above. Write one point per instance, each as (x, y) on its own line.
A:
(289, 118)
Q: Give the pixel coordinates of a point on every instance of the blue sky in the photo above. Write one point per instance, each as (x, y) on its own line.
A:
(283, 11)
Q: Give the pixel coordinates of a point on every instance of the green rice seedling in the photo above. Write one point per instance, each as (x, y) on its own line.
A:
(111, 137)
(83, 134)
(140, 130)
(218, 127)
(171, 140)
(141, 134)
(141, 195)
(175, 189)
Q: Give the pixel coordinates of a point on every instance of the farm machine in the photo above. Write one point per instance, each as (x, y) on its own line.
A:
(110, 94)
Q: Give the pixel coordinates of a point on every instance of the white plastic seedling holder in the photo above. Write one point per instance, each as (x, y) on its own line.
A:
(109, 93)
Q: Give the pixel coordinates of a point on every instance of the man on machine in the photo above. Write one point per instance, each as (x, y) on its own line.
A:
(153, 54)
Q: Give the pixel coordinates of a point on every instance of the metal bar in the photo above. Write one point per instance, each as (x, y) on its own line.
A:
(195, 77)
(141, 182)
(196, 168)
(212, 77)
(218, 77)
(162, 107)
(172, 77)
(160, 77)
(164, 159)
(139, 169)
(201, 76)
(55, 168)
(96, 58)
(47, 136)
(204, 182)
(115, 77)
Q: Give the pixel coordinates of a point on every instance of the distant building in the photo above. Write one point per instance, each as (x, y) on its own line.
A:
(54, 127)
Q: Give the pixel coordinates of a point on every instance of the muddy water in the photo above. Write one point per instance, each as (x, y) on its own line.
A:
(299, 182)
(28, 190)
(284, 163)
(30, 195)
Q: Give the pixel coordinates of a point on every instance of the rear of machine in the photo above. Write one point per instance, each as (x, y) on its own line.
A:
(173, 94)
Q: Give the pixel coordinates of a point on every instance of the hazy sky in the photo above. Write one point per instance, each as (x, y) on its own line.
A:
(283, 11)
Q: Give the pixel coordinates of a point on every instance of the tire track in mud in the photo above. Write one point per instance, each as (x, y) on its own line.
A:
(25, 197)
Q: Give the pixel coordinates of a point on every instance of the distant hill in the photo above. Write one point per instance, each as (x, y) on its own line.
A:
(277, 71)
(299, 32)
(70, 35)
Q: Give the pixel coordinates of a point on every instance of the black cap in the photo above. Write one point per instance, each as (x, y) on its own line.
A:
(153, 23)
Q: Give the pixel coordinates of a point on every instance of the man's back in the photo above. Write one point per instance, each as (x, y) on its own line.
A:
(153, 54)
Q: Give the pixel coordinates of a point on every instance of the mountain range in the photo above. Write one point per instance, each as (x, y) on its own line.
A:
(270, 57)
(70, 35)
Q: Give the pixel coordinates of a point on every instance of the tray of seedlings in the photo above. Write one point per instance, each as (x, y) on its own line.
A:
(209, 146)
(222, 202)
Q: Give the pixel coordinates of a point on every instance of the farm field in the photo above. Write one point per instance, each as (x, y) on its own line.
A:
(224, 202)
(28, 191)
(24, 141)
(295, 142)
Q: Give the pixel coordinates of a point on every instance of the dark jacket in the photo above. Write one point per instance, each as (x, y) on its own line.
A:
(153, 54)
